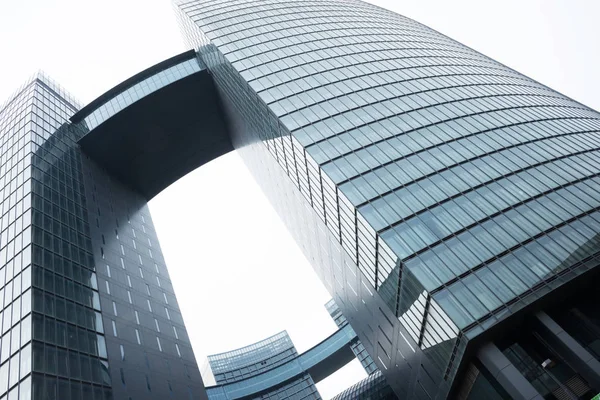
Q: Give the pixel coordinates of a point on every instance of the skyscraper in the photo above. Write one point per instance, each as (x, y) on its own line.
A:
(84, 281)
(442, 198)
(456, 193)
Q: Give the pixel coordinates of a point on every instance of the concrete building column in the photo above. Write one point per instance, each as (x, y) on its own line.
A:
(506, 374)
(569, 349)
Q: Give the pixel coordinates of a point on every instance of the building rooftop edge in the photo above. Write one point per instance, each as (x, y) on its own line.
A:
(140, 76)
(282, 334)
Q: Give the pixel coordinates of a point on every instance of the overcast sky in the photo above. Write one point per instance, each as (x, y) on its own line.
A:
(238, 275)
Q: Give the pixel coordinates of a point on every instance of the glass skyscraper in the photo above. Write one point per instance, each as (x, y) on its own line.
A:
(453, 189)
(83, 278)
(437, 192)
(442, 198)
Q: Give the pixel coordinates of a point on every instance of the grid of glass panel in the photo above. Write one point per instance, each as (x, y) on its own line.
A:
(59, 333)
(300, 388)
(251, 360)
(53, 343)
(269, 379)
(139, 90)
(15, 243)
(458, 186)
(69, 351)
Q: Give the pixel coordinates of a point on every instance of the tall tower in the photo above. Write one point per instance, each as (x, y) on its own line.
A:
(83, 278)
(440, 195)
(52, 323)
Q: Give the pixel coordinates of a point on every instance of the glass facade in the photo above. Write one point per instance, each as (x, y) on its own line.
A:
(418, 172)
(53, 343)
(252, 360)
(303, 388)
(18, 140)
(272, 367)
(436, 192)
(298, 388)
(141, 89)
(69, 347)
(88, 308)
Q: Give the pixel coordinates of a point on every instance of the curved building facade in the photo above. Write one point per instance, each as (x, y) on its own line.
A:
(273, 369)
(442, 198)
(257, 359)
(456, 190)
(248, 361)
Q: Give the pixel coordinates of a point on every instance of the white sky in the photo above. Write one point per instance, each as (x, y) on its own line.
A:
(238, 275)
